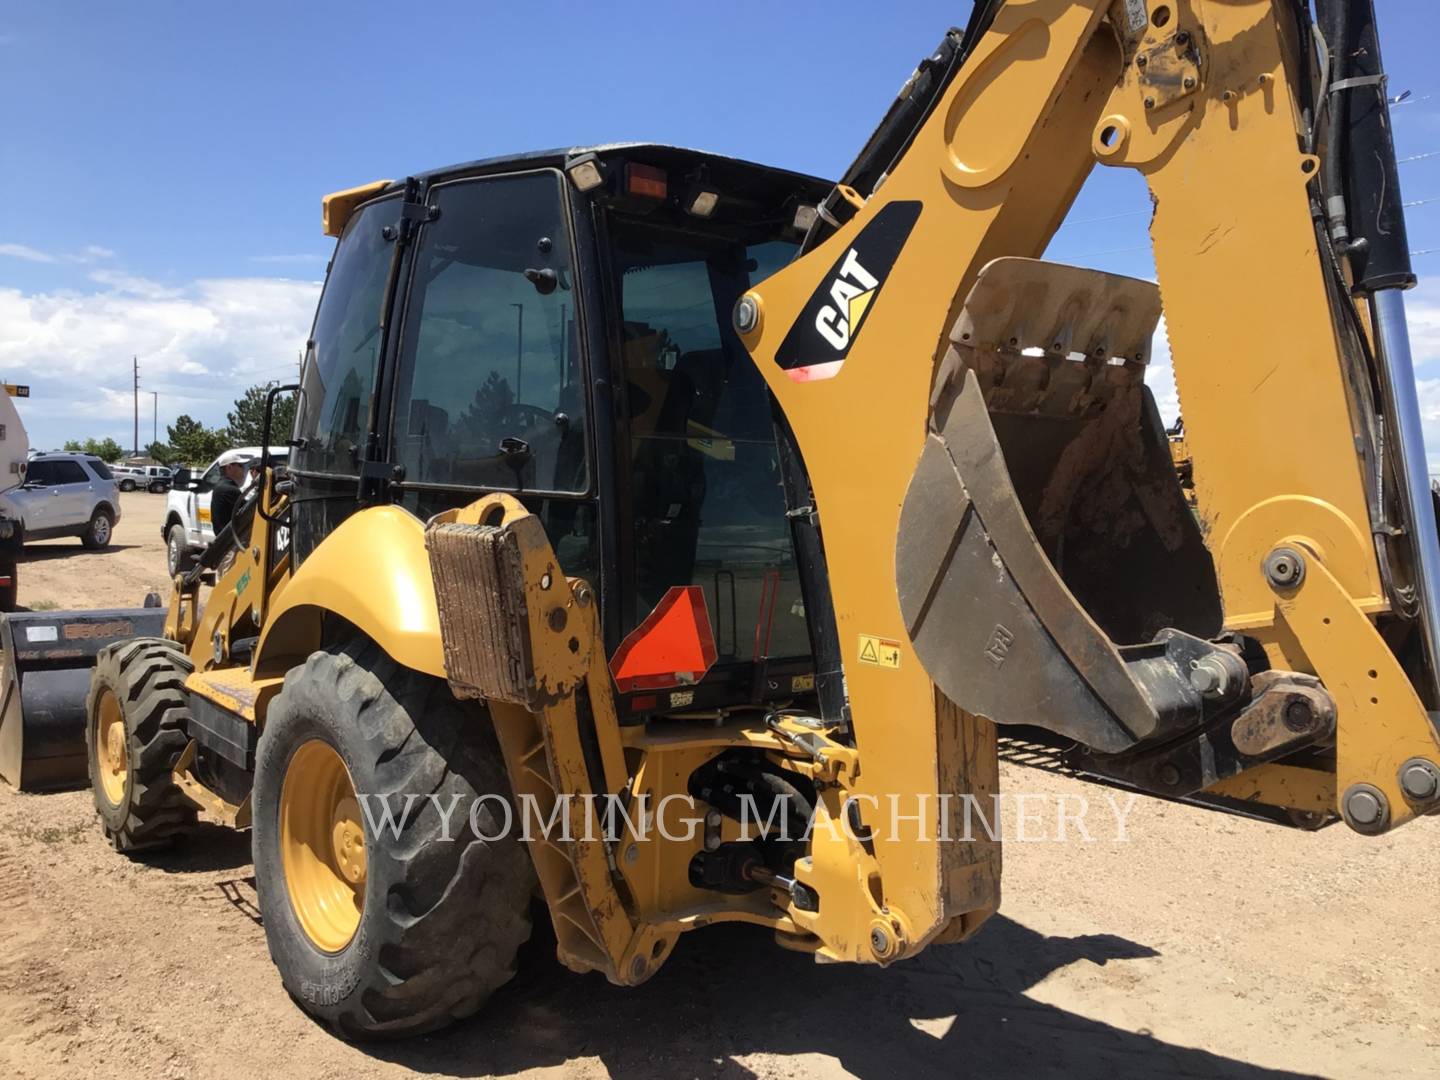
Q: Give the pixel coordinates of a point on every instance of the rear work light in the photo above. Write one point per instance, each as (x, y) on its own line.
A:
(646, 181)
(703, 202)
(586, 172)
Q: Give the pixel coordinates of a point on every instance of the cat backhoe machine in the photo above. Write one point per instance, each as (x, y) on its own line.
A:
(635, 492)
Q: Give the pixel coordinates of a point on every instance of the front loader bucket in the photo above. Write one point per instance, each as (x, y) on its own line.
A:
(47, 657)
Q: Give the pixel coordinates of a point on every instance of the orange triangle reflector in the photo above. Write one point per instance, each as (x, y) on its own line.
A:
(672, 647)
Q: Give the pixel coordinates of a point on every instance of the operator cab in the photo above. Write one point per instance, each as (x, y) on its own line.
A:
(558, 326)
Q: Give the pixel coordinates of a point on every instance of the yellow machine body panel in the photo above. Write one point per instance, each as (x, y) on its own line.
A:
(372, 571)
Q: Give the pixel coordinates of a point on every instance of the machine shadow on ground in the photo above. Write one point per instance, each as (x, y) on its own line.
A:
(730, 991)
(64, 549)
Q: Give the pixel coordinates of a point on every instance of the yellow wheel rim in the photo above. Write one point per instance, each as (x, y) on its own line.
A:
(111, 760)
(322, 846)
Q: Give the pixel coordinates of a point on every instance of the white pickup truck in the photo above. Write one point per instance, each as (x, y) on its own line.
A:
(187, 529)
(153, 478)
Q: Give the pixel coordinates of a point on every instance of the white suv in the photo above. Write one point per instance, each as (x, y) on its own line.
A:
(187, 529)
(65, 495)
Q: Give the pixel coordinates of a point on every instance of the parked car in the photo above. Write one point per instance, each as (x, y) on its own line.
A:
(153, 478)
(187, 529)
(65, 495)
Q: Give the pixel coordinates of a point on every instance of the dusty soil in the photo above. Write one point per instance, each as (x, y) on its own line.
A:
(1200, 946)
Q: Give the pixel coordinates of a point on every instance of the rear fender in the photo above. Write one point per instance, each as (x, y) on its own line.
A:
(373, 572)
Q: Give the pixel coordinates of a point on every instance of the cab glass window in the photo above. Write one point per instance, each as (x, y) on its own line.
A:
(339, 374)
(705, 474)
(489, 392)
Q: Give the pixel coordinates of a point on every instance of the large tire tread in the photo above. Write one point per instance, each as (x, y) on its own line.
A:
(147, 676)
(451, 916)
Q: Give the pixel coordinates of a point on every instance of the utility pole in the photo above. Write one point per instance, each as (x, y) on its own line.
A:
(155, 416)
(135, 360)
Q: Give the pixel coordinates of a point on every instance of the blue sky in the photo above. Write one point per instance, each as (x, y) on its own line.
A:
(161, 164)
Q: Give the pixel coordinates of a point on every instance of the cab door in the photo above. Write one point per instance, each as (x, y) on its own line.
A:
(490, 392)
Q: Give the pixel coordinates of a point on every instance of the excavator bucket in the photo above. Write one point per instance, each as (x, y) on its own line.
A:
(47, 657)
(1046, 498)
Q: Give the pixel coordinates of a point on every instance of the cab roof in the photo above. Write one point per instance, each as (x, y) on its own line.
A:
(746, 179)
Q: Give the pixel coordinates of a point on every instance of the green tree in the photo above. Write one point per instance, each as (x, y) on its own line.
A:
(161, 453)
(247, 421)
(106, 449)
(193, 443)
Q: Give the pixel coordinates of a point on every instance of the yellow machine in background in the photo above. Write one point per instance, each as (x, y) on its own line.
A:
(682, 536)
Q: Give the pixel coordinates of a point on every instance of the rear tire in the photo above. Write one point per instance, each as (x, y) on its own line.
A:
(134, 732)
(127, 485)
(98, 533)
(429, 927)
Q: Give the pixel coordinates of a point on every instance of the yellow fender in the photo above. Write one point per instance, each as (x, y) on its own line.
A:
(372, 571)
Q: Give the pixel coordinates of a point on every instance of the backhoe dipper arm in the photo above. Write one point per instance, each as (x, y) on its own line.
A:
(1208, 100)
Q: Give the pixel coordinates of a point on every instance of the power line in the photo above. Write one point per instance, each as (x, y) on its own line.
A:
(1111, 251)
(1418, 157)
(1108, 217)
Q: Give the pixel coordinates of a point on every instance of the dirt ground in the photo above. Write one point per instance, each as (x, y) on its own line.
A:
(1200, 946)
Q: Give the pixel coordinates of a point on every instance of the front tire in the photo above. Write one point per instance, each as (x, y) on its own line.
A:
(134, 733)
(127, 485)
(98, 533)
(176, 549)
(384, 932)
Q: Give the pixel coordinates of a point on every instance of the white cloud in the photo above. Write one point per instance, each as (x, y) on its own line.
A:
(199, 346)
(1160, 376)
(88, 254)
(29, 254)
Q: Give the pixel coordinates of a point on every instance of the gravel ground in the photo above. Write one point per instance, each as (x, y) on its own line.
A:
(1199, 945)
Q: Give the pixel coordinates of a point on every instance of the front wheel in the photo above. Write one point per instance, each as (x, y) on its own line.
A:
(127, 485)
(402, 927)
(176, 549)
(97, 534)
(134, 733)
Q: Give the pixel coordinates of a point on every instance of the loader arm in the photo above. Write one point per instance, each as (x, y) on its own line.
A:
(1265, 657)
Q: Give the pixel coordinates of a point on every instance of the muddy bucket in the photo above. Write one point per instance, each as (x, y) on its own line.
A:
(47, 657)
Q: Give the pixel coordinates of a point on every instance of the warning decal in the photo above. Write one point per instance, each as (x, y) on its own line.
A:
(882, 652)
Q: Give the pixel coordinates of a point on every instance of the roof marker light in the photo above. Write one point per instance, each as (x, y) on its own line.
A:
(646, 180)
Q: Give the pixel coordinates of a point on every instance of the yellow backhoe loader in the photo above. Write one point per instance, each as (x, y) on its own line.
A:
(679, 539)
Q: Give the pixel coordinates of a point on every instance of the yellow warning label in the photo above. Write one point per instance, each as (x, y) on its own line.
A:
(882, 652)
